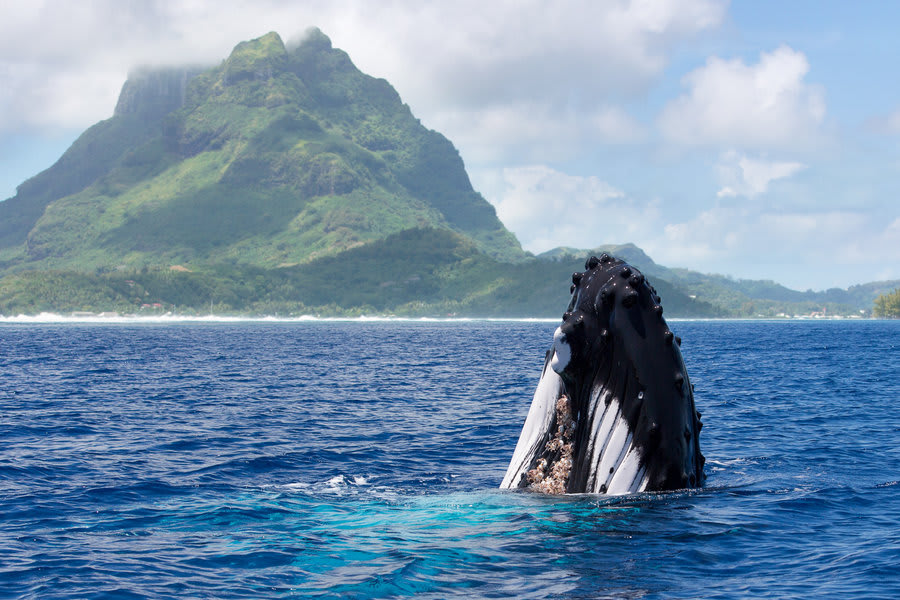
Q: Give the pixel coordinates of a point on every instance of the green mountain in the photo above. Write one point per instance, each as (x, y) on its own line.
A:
(275, 157)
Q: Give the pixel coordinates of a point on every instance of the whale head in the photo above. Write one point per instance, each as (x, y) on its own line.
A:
(614, 410)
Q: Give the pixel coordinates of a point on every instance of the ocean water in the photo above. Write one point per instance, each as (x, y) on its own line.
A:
(362, 459)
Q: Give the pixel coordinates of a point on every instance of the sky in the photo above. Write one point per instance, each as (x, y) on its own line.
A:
(755, 139)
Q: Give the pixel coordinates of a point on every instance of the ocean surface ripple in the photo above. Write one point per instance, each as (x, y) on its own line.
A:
(362, 459)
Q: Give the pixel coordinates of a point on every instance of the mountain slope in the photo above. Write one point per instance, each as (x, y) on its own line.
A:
(275, 157)
(416, 272)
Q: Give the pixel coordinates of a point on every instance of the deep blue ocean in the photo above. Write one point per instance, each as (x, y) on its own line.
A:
(361, 460)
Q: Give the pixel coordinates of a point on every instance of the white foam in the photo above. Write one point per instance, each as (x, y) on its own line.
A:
(298, 485)
(339, 485)
(113, 318)
(336, 481)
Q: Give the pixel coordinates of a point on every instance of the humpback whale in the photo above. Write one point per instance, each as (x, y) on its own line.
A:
(613, 412)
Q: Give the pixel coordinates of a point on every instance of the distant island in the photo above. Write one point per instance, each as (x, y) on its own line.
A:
(285, 181)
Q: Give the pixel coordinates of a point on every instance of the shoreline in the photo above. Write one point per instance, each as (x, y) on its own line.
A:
(48, 318)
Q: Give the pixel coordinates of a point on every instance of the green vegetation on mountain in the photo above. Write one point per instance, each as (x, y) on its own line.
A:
(415, 272)
(888, 305)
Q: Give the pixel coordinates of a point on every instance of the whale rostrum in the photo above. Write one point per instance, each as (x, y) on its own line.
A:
(613, 412)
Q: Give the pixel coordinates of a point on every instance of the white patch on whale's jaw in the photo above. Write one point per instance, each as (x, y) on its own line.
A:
(537, 424)
(562, 352)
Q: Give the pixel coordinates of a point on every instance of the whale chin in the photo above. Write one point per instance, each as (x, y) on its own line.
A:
(613, 412)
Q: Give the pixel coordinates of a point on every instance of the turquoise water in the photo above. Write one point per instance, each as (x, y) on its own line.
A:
(361, 460)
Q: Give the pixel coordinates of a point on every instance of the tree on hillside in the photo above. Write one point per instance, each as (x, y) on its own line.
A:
(888, 305)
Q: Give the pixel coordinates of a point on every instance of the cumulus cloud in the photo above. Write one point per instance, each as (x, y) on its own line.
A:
(889, 124)
(448, 60)
(536, 131)
(821, 246)
(556, 68)
(893, 122)
(63, 63)
(547, 208)
(510, 50)
(825, 247)
(766, 105)
(750, 177)
(612, 124)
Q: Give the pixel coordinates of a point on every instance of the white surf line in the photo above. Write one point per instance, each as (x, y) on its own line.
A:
(55, 318)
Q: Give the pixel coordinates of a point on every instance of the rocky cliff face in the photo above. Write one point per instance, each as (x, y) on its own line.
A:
(153, 93)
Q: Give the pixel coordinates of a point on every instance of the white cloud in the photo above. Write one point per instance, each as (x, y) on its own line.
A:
(661, 16)
(893, 122)
(63, 63)
(701, 239)
(479, 52)
(825, 248)
(750, 177)
(547, 208)
(612, 124)
(535, 131)
(889, 124)
(765, 105)
(816, 248)
(446, 59)
(561, 68)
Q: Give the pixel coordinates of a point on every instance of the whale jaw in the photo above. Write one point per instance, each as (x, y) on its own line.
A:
(614, 410)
